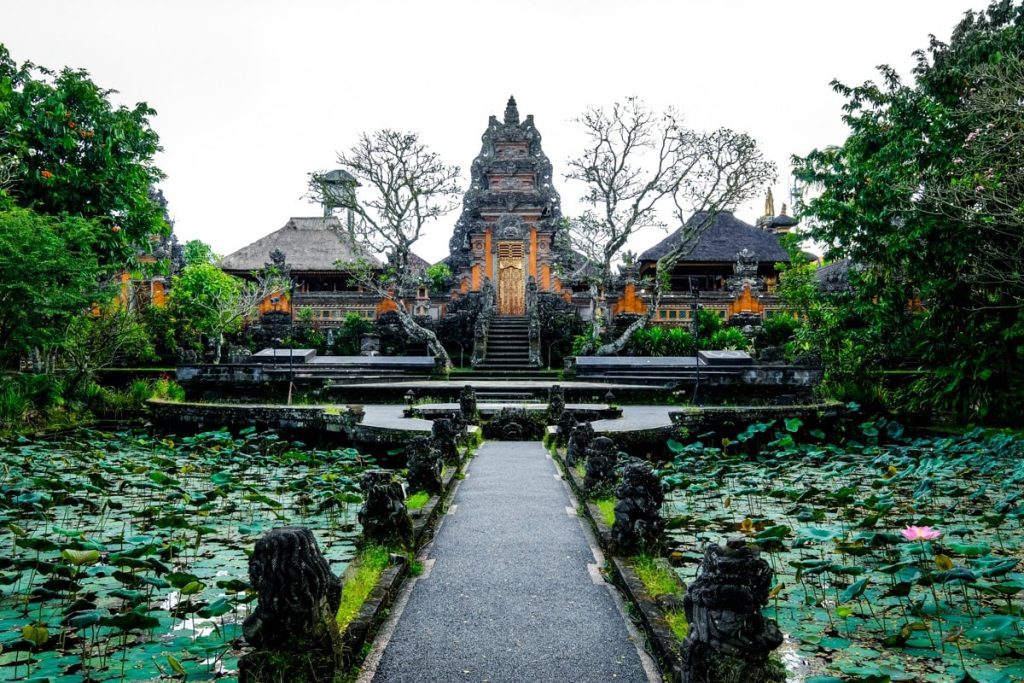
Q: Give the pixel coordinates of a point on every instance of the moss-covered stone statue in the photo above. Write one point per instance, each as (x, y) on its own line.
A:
(294, 627)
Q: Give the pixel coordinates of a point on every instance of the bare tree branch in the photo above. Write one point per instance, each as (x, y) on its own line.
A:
(402, 187)
(637, 162)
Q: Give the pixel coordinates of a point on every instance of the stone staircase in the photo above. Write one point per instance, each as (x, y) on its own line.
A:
(508, 345)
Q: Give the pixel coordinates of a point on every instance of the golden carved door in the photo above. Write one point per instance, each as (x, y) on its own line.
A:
(511, 280)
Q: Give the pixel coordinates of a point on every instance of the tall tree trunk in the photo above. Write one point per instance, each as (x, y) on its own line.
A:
(416, 330)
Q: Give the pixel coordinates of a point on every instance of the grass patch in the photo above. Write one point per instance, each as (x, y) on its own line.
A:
(581, 469)
(677, 622)
(607, 508)
(369, 564)
(417, 500)
(657, 579)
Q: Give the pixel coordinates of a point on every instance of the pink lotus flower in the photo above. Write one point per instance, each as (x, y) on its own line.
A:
(920, 533)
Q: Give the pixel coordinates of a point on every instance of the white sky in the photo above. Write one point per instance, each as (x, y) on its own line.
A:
(251, 95)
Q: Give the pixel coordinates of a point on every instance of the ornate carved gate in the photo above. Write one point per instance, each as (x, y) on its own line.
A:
(511, 279)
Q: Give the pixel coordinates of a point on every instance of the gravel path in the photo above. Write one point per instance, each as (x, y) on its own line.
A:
(512, 592)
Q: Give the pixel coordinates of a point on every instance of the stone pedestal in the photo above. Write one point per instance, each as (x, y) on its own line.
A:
(294, 627)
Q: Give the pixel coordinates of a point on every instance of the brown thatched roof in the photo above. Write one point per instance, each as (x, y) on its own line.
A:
(309, 244)
(726, 237)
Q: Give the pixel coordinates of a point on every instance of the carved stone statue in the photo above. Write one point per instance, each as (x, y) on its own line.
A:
(566, 423)
(723, 607)
(467, 405)
(384, 516)
(424, 466)
(745, 274)
(602, 456)
(579, 439)
(369, 345)
(294, 627)
(556, 403)
(638, 498)
(442, 438)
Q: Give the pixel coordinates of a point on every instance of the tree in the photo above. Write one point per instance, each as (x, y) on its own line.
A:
(207, 301)
(101, 338)
(196, 251)
(49, 275)
(637, 165)
(78, 154)
(920, 198)
(402, 186)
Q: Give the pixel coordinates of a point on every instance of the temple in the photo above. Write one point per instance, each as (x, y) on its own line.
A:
(510, 216)
(508, 261)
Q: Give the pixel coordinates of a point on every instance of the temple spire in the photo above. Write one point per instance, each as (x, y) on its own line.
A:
(769, 204)
(511, 112)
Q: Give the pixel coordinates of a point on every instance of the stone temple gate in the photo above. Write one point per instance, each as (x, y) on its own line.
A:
(510, 217)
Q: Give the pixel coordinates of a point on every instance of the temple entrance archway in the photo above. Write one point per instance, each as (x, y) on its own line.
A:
(511, 279)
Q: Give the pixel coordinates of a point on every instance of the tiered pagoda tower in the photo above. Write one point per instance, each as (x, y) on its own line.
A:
(510, 216)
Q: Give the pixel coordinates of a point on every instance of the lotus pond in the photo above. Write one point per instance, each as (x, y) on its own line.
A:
(126, 554)
(896, 559)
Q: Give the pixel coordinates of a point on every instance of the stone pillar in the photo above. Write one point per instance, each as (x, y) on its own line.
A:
(556, 404)
(638, 498)
(602, 456)
(442, 437)
(384, 516)
(424, 466)
(294, 627)
(728, 638)
(467, 405)
(579, 439)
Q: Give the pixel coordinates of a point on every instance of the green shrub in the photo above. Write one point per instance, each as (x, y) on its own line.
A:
(679, 342)
(168, 389)
(776, 330)
(709, 322)
(348, 338)
(662, 341)
(14, 405)
(730, 338)
(581, 341)
(139, 391)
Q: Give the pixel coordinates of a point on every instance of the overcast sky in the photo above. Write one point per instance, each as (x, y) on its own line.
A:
(251, 95)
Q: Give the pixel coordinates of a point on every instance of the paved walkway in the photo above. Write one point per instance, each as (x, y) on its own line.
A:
(511, 591)
(637, 418)
(634, 418)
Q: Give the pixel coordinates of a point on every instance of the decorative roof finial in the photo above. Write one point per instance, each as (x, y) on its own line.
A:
(511, 112)
(769, 204)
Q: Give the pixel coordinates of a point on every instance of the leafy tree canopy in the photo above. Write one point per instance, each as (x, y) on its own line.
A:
(48, 276)
(77, 153)
(917, 199)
